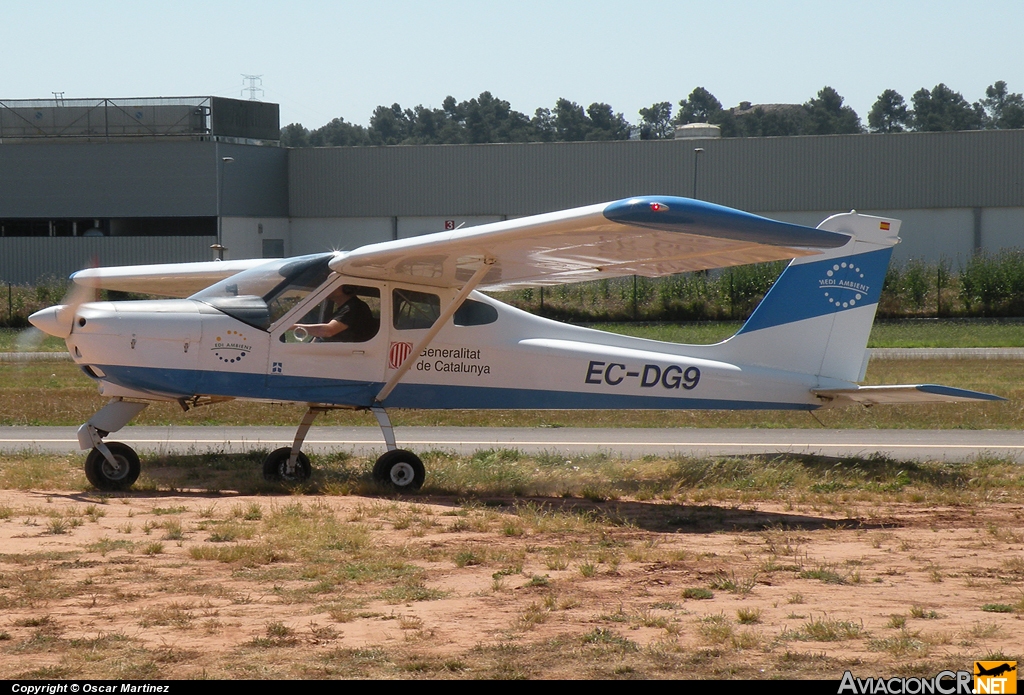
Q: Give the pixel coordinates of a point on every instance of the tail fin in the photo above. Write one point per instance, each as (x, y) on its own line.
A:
(817, 317)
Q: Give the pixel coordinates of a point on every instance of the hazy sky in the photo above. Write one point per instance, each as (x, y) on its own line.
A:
(320, 60)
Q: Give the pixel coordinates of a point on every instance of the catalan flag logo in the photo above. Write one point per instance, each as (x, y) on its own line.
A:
(884, 226)
(397, 354)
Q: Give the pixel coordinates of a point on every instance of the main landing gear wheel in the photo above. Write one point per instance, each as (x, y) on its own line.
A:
(400, 469)
(107, 477)
(275, 467)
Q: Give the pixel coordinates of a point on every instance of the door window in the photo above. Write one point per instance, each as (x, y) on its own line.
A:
(413, 310)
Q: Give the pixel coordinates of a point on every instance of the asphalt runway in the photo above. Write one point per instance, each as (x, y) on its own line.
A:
(944, 445)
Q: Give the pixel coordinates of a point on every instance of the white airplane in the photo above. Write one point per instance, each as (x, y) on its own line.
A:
(426, 339)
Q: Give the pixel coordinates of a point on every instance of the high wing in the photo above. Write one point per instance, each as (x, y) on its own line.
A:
(163, 279)
(910, 393)
(649, 236)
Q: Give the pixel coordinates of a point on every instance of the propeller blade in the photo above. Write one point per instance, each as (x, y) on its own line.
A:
(28, 340)
(59, 320)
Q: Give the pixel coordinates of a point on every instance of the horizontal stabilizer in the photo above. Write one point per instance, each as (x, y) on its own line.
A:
(904, 393)
(163, 279)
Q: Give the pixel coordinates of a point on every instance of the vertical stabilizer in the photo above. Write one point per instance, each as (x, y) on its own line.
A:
(817, 317)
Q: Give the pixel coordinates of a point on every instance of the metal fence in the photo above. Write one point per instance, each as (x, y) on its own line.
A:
(106, 118)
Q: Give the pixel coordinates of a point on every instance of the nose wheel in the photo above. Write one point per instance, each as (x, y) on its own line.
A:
(118, 472)
(110, 466)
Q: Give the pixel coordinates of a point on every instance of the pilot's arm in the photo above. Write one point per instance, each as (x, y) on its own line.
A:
(323, 330)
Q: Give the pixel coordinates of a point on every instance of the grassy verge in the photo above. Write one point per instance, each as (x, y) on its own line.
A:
(807, 479)
(29, 340)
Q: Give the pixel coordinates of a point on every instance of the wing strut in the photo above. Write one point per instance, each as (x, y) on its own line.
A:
(434, 330)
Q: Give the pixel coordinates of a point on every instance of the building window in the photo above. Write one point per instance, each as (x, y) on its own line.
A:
(273, 248)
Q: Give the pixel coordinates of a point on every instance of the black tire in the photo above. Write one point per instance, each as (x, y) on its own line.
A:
(400, 470)
(276, 463)
(106, 477)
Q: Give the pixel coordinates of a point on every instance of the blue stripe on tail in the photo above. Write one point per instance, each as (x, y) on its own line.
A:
(817, 288)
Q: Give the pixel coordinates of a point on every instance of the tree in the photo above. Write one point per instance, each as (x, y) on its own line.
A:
(700, 107)
(294, 135)
(488, 119)
(390, 126)
(605, 124)
(827, 115)
(944, 109)
(543, 123)
(656, 121)
(1003, 109)
(480, 120)
(339, 133)
(770, 120)
(889, 113)
(570, 121)
(431, 127)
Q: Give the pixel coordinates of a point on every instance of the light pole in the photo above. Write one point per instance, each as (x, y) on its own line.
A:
(219, 246)
(697, 151)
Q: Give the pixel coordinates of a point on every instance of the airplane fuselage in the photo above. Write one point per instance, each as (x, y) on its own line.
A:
(495, 357)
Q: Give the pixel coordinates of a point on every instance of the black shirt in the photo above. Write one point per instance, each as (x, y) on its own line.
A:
(360, 325)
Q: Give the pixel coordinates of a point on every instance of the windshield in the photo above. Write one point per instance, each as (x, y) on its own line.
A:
(261, 295)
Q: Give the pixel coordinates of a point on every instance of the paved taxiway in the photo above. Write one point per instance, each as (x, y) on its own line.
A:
(946, 445)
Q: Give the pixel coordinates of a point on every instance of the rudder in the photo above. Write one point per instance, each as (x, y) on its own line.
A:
(817, 317)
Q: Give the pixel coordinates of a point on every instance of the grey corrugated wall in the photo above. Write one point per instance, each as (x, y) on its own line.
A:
(140, 179)
(60, 256)
(835, 172)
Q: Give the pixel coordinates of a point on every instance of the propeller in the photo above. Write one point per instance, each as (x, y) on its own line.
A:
(58, 320)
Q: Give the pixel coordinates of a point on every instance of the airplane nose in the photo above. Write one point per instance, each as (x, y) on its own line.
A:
(49, 321)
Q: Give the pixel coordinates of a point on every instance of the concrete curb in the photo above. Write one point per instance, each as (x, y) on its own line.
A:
(35, 357)
(947, 353)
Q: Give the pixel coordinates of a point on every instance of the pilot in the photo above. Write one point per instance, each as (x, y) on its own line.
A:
(352, 322)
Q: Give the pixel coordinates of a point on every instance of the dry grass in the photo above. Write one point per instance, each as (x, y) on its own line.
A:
(472, 580)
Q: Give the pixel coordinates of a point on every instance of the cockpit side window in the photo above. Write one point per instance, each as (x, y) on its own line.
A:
(412, 310)
(360, 315)
(295, 287)
(474, 313)
(261, 295)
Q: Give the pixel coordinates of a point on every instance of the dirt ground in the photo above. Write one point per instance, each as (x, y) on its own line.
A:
(185, 585)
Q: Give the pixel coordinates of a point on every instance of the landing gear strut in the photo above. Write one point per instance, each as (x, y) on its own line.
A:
(288, 464)
(398, 469)
(110, 466)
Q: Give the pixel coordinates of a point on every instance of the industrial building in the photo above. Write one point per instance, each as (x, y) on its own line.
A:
(163, 180)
